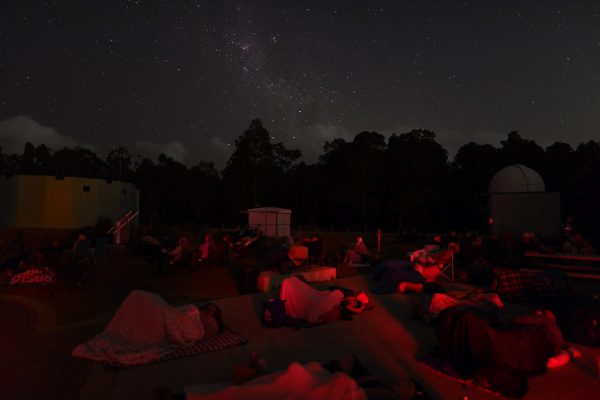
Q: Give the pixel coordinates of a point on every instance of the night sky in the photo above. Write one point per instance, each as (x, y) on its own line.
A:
(186, 77)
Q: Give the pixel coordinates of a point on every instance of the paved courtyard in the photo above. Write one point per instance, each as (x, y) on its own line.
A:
(41, 326)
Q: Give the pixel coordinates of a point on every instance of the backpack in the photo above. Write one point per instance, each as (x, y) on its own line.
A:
(273, 313)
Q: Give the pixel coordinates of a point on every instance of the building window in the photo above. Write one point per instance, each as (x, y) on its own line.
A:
(86, 188)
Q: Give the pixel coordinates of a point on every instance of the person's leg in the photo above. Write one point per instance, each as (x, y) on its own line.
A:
(405, 287)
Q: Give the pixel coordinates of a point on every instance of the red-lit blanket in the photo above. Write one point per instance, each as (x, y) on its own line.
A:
(310, 381)
(144, 329)
(34, 275)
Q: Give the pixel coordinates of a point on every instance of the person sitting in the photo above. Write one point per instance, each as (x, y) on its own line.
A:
(205, 252)
(54, 253)
(358, 253)
(80, 238)
(297, 254)
(576, 244)
(153, 251)
(181, 254)
(501, 359)
(146, 327)
(428, 263)
(303, 302)
(315, 248)
(222, 250)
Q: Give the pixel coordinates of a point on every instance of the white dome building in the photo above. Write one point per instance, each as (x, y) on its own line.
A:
(518, 202)
(516, 178)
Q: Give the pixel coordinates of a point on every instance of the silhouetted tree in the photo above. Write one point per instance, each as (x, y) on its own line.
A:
(77, 162)
(473, 167)
(43, 157)
(417, 167)
(2, 163)
(204, 188)
(583, 188)
(559, 164)
(353, 172)
(27, 163)
(254, 170)
(118, 164)
(517, 150)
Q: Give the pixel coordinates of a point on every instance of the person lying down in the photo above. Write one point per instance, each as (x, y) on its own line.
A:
(146, 327)
(342, 379)
(502, 358)
(303, 302)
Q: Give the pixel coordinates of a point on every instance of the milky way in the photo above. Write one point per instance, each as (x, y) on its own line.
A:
(187, 77)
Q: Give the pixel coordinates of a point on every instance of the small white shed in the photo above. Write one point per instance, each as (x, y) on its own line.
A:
(272, 221)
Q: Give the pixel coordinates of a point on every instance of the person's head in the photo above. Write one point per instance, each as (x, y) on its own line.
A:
(215, 312)
(208, 238)
(350, 306)
(527, 237)
(359, 239)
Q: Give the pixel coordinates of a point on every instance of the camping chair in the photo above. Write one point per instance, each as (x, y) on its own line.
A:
(100, 249)
(446, 259)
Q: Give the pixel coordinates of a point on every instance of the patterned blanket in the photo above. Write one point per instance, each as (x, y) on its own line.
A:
(34, 275)
(513, 285)
(224, 340)
(146, 329)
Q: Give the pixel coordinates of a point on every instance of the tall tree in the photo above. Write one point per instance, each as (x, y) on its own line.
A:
(518, 150)
(253, 173)
(417, 167)
(353, 171)
(77, 161)
(118, 164)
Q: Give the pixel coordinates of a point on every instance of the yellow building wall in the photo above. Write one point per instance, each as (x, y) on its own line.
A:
(57, 204)
(8, 202)
(47, 202)
(30, 192)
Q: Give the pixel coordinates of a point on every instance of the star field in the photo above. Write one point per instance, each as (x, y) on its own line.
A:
(146, 74)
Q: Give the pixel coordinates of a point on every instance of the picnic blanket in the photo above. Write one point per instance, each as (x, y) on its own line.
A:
(514, 285)
(145, 329)
(224, 340)
(34, 275)
(310, 381)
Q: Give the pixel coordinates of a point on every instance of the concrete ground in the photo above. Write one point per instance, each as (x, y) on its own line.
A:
(386, 339)
(39, 326)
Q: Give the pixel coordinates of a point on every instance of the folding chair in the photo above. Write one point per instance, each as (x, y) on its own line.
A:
(446, 259)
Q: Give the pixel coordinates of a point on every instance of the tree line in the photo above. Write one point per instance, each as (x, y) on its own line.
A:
(405, 183)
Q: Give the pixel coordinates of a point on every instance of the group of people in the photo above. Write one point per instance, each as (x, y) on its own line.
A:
(182, 254)
(53, 259)
(498, 355)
